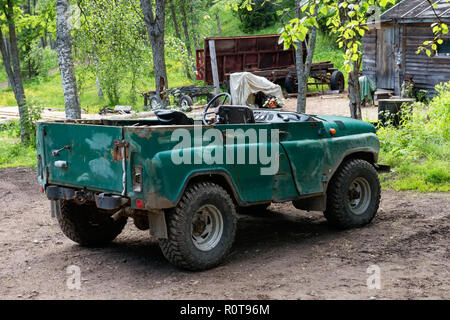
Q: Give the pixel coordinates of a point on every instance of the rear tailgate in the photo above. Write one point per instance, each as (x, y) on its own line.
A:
(82, 156)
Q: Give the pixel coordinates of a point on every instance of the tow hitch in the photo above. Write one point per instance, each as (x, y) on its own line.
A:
(102, 201)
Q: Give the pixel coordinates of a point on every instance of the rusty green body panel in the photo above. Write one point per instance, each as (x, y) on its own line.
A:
(308, 157)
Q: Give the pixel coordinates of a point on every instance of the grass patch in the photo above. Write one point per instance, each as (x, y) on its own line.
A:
(3, 75)
(419, 150)
(13, 153)
(48, 92)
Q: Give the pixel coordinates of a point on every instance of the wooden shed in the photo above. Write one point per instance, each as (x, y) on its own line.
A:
(390, 47)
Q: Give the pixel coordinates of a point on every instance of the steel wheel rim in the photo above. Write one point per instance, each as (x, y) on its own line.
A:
(359, 196)
(207, 227)
(154, 104)
(184, 103)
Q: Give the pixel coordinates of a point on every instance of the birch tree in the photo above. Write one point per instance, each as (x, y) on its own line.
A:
(155, 22)
(11, 61)
(65, 59)
(302, 29)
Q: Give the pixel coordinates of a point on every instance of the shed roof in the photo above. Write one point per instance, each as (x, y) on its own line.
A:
(413, 11)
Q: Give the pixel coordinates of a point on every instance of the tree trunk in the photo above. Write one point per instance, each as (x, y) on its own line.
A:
(354, 92)
(187, 38)
(65, 59)
(12, 67)
(175, 19)
(155, 27)
(194, 19)
(177, 31)
(219, 28)
(302, 84)
(304, 68)
(6, 60)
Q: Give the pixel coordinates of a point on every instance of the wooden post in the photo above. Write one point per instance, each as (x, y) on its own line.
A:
(215, 70)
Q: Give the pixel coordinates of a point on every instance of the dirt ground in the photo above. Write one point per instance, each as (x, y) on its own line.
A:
(288, 254)
(337, 105)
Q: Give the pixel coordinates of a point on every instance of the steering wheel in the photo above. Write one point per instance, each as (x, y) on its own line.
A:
(213, 102)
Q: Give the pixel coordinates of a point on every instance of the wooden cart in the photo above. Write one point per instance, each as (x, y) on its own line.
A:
(262, 56)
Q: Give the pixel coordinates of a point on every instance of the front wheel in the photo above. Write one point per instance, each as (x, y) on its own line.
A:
(353, 196)
(85, 225)
(201, 229)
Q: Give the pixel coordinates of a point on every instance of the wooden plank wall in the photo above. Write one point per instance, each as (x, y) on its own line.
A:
(427, 71)
(370, 54)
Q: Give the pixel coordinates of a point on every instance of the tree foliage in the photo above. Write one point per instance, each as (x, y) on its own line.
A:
(259, 14)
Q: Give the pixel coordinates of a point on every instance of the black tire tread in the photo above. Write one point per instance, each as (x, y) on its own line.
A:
(336, 77)
(188, 99)
(289, 85)
(336, 213)
(74, 225)
(173, 248)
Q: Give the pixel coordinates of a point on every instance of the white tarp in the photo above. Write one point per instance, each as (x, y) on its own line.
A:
(245, 85)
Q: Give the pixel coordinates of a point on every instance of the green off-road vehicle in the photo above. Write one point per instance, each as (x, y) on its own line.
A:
(185, 181)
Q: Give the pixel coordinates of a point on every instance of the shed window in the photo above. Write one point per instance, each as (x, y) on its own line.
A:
(444, 49)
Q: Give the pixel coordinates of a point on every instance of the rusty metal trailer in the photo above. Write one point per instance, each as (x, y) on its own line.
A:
(263, 56)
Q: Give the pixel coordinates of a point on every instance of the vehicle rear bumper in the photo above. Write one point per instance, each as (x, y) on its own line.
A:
(102, 200)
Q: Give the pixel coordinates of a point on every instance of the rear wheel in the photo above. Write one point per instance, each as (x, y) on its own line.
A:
(85, 224)
(186, 102)
(290, 84)
(337, 82)
(201, 229)
(353, 196)
(155, 103)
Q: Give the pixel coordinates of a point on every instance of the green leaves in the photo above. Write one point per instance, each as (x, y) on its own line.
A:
(431, 46)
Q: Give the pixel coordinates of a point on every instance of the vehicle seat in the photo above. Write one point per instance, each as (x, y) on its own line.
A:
(235, 115)
(173, 117)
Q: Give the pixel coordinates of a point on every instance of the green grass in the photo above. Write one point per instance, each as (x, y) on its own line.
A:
(48, 92)
(419, 150)
(3, 76)
(13, 153)
(230, 25)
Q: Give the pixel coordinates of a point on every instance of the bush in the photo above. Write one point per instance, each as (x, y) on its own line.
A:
(13, 153)
(419, 150)
(42, 60)
(263, 15)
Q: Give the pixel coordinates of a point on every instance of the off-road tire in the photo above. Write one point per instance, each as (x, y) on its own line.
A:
(337, 81)
(339, 212)
(289, 84)
(187, 100)
(256, 210)
(179, 248)
(84, 225)
(155, 103)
